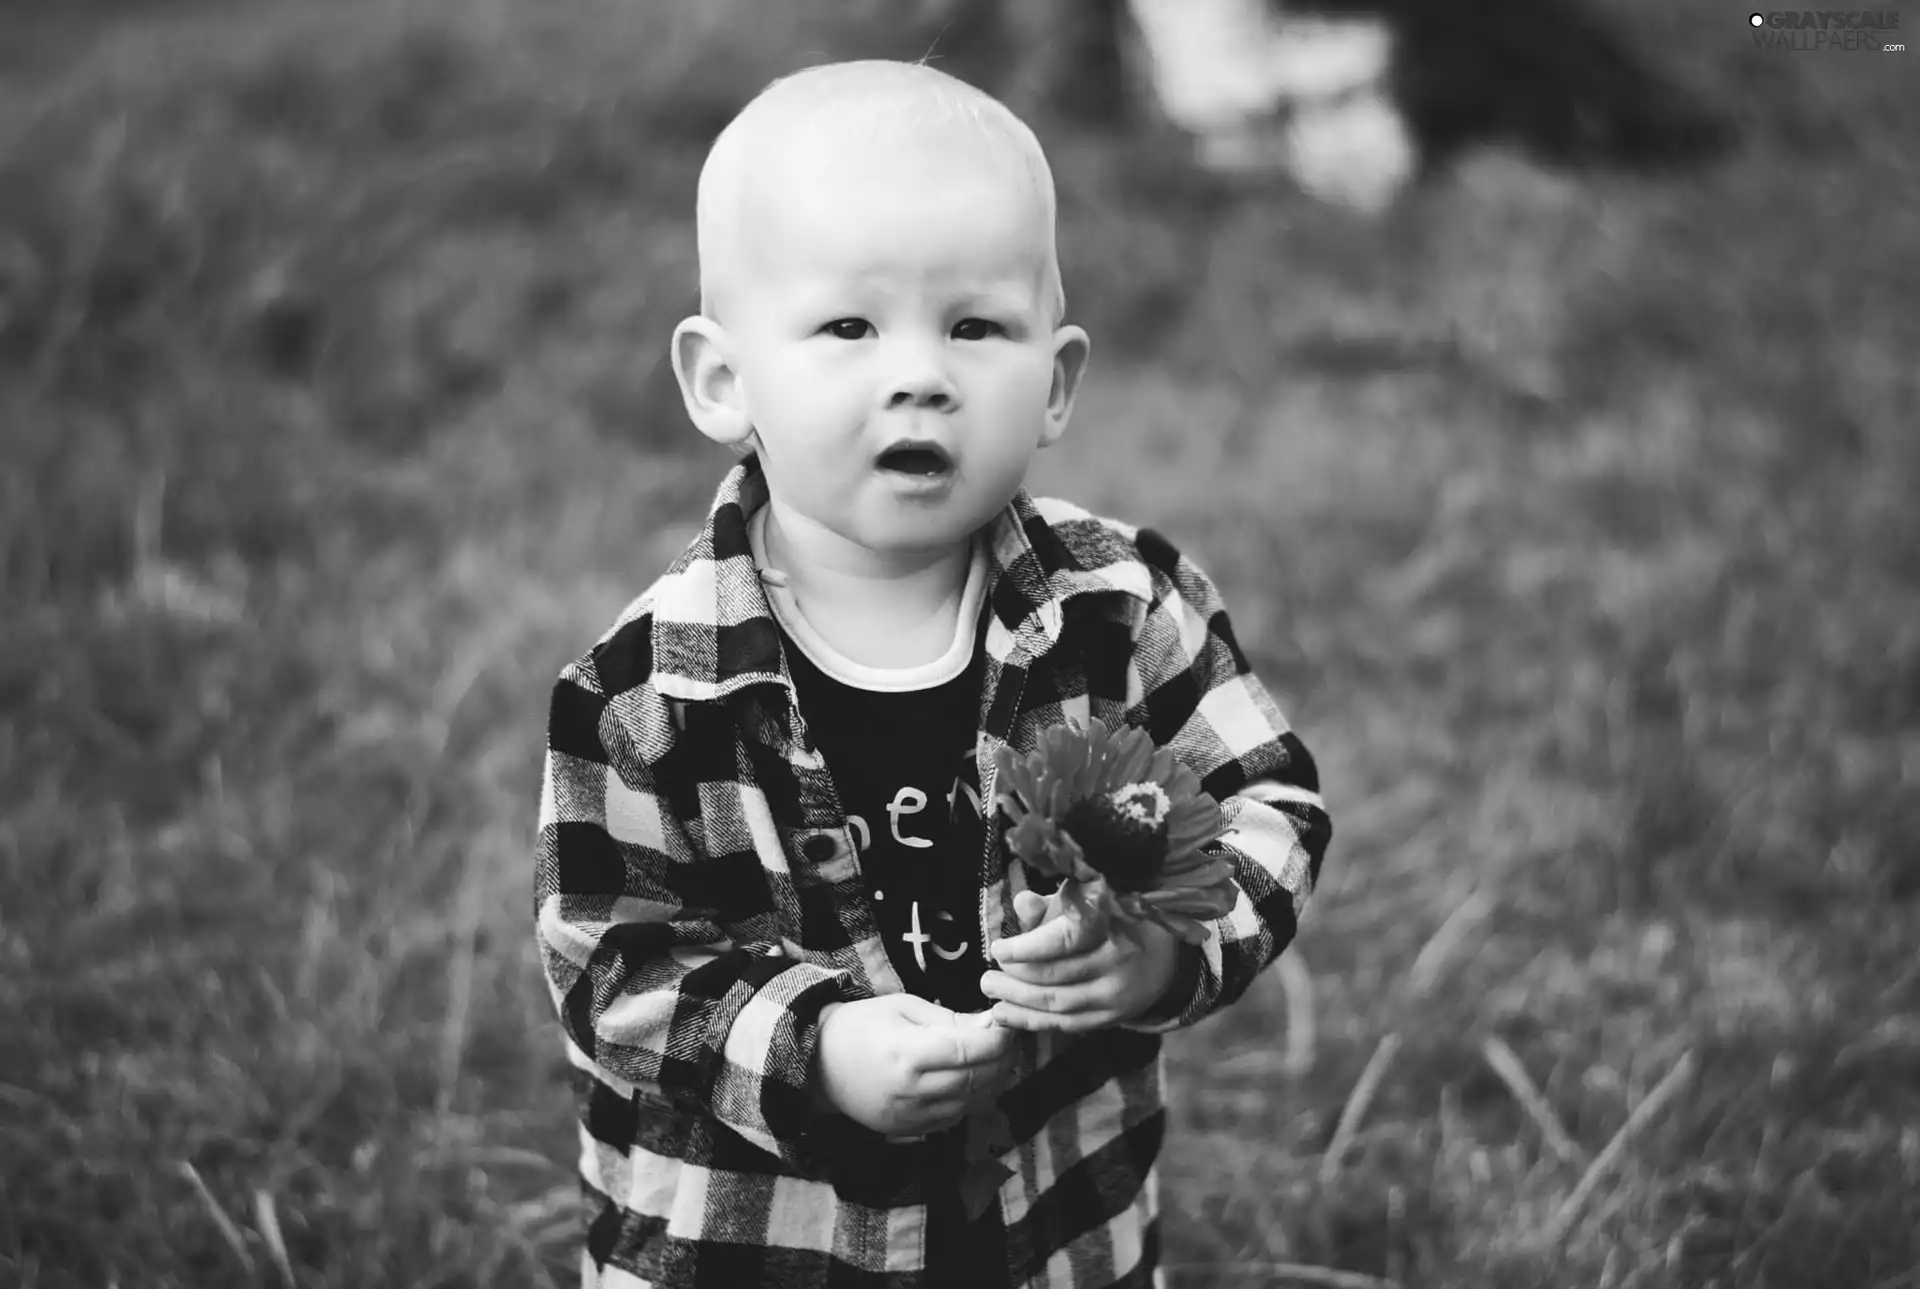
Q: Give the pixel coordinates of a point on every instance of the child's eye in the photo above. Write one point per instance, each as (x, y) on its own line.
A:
(847, 328)
(975, 329)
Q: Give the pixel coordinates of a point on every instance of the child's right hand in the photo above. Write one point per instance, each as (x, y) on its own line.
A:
(904, 1066)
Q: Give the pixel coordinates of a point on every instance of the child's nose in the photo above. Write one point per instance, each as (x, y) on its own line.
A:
(921, 380)
(934, 394)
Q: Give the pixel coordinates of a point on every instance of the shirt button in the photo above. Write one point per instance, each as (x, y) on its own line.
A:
(820, 848)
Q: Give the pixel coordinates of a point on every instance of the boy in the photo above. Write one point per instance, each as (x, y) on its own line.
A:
(767, 878)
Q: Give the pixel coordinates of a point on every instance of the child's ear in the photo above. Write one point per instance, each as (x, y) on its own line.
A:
(703, 364)
(1070, 351)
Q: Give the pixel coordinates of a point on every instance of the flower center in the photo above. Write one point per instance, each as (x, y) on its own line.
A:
(1143, 803)
(1123, 833)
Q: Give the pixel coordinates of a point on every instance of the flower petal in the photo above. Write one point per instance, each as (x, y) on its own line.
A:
(1060, 799)
(1066, 860)
(1091, 901)
(1182, 783)
(1211, 871)
(1196, 901)
(1198, 811)
(1184, 846)
(1186, 928)
(1089, 760)
(1017, 776)
(1184, 859)
(1132, 765)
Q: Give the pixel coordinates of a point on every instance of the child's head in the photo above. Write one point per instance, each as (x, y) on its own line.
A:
(880, 302)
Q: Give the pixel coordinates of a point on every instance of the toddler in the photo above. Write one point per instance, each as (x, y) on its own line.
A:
(789, 950)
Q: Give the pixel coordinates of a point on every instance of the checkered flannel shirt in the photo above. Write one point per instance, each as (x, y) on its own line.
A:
(699, 901)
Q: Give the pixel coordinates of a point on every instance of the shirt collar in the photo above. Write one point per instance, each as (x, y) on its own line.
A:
(714, 633)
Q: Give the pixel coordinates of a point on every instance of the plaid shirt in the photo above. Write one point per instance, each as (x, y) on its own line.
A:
(699, 901)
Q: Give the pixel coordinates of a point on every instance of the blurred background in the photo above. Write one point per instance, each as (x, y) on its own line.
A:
(1550, 426)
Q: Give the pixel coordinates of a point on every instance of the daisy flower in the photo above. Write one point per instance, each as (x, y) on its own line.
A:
(1122, 824)
(1124, 827)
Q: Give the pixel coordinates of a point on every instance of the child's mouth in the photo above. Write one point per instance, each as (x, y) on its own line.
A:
(924, 459)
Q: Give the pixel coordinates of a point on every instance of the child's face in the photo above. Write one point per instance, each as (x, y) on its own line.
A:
(893, 341)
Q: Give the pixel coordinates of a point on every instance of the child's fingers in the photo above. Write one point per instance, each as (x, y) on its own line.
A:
(921, 1011)
(1014, 1016)
(936, 1086)
(962, 1087)
(1030, 908)
(1060, 938)
(961, 1047)
(1061, 971)
(1091, 995)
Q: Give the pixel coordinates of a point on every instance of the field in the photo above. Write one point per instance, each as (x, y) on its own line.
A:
(1573, 518)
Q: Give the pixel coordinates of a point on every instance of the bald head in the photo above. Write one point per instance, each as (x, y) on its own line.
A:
(832, 128)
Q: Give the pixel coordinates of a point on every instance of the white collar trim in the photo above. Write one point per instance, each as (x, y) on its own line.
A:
(888, 680)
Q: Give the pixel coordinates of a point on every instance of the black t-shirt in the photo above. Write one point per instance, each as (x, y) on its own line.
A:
(903, 765)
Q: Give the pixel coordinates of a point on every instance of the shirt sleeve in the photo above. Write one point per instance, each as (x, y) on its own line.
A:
(1197, 694)
(652, 992)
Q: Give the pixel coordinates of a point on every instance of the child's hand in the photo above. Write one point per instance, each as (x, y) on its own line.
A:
(1073, 975)
(904, 1066)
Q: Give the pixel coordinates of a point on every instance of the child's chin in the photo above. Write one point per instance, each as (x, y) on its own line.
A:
(924, 534)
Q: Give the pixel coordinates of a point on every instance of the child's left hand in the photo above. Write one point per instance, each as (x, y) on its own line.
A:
(1071, 975)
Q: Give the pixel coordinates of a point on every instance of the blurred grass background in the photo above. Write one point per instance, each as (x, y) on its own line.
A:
(1573, 519)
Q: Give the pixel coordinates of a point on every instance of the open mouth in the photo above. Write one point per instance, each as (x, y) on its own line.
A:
(919, 458)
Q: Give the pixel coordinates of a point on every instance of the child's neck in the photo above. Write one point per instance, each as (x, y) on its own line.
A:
(879, 609)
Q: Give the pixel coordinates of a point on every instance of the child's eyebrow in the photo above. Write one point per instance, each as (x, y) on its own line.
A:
(1013, 294)
(834, 301)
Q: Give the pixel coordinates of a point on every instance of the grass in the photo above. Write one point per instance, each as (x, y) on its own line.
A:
(1571, 517)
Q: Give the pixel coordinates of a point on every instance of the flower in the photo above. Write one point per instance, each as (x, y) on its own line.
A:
(1124, 827)
(1122, 823)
